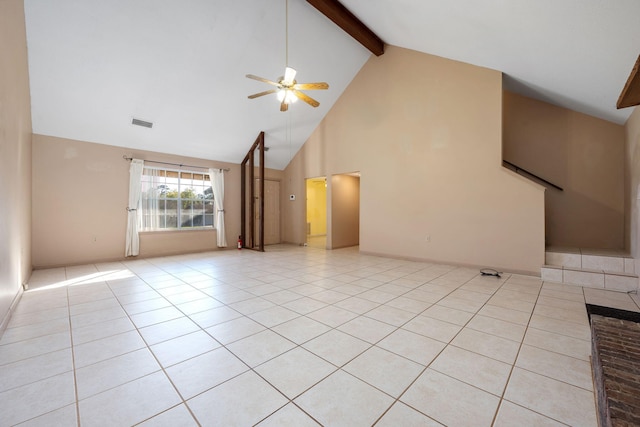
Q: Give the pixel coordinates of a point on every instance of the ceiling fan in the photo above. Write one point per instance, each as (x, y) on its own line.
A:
(287, 88)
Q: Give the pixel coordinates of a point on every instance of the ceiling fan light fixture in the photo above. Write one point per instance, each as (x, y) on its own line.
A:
(286, 95)
(287, 89)
(289, 76)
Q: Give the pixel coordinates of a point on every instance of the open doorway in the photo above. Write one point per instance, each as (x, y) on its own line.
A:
(317, 212)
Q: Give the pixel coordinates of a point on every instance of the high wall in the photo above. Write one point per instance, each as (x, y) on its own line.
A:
(583, 155)
(632, 185)
(15, 156)
(80, 192)
(425, 134)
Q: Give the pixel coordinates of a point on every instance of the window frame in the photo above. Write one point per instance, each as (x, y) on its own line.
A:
(182, 184)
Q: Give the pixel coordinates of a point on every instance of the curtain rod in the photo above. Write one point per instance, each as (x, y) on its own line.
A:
(175, 164)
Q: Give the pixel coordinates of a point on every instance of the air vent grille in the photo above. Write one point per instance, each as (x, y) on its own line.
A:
(142, 123)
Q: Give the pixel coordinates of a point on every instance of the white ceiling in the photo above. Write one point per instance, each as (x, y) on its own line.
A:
(96, 64)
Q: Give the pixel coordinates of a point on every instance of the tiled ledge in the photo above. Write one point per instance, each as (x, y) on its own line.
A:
(607, 260)
(591, 278)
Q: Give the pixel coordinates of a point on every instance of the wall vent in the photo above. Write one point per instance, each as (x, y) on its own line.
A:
(142, 123)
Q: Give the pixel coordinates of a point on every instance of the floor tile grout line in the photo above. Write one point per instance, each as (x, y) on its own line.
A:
(73, 362)
(515, 361)
(522, 343)
(222, 346)
(252, 369)
(348, 296)
(41, 379)
(296, 346)
(534, 411)
(164, 411)
(162, 368)
(36, 355)
(399, 397)
(148, 348)
(289, 400)
(557, 380)
(338, 368)
(553, 351)
(371, 345)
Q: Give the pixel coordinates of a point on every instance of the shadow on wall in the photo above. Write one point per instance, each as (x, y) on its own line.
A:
(587, 214)
(580, 153)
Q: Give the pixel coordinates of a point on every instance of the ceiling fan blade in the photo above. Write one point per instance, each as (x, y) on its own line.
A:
(283, 105)
(306, 98)
(261, 79)
(266, 92)
(289, 76)
(311, 86)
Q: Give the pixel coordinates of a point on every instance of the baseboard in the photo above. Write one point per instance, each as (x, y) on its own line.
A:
(132, 258)
(455, 264)
(12, 307)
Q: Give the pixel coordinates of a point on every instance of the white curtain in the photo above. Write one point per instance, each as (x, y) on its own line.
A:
(217, 185)
(134, 215)
(149, 199)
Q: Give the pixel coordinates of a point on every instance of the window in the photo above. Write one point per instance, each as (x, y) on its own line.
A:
(174, 199)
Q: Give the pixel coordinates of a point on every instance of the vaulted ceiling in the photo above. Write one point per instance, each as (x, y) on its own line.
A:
(95, 64)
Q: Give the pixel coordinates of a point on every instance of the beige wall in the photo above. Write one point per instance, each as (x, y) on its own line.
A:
(583, 155)
(632, 184)
(425, 133)
(15, 157)
(345, 211)
(80, 192)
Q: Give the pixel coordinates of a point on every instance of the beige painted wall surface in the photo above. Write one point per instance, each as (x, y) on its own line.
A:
(425, 133)
(345, 211)
(80, 192)
(15, 156)
(583, 155)
(632, 184)
(317, 207)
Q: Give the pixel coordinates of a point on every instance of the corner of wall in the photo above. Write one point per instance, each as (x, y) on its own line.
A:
(15, 157)
(5, 320)
(632, 183)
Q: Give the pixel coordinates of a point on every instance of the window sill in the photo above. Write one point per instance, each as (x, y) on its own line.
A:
(176, 230)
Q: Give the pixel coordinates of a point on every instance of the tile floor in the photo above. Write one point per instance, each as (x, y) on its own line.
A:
(294, 337)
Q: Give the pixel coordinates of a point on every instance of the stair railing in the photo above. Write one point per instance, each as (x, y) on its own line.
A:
(517, 169)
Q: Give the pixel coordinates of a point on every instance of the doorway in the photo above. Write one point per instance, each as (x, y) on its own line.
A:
(317, 212)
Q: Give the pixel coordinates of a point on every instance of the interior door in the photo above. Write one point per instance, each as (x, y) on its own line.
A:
(271, 212)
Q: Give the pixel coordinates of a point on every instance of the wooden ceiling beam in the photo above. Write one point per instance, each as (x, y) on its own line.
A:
(346, 20)
(630, 95)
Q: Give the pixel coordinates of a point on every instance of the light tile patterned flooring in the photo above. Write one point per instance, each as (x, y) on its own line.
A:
(296, 337)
